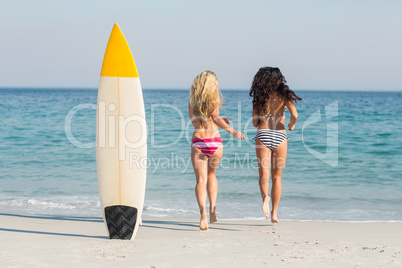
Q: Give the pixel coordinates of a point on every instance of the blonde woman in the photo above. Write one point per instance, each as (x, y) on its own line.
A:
(206, 145)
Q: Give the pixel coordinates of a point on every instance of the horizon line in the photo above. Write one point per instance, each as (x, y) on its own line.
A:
(184, 89)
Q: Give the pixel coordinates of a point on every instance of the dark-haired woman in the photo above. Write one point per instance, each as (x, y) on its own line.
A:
(271, 97)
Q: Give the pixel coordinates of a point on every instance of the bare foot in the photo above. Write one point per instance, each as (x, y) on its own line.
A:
(274, 218)
(204, 222)
(212, 217)
(265, 206)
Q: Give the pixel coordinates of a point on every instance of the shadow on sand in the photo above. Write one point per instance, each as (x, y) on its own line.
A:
(53, 217)
(170, 224)
(174, 225)
(49, 233)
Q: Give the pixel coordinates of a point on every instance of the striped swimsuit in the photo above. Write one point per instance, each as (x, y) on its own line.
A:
(269, 137)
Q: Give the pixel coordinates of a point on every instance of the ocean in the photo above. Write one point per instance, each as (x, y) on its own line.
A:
(344, 157)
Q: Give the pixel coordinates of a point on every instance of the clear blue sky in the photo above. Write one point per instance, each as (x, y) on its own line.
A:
(318, 44)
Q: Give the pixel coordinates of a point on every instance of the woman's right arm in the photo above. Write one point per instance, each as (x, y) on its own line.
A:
(256, 119)
(293, 115)
(190, 112)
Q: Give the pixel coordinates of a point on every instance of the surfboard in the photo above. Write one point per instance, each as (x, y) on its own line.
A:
(121, 140)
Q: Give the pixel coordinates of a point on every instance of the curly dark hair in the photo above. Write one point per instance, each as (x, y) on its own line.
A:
(268, 81)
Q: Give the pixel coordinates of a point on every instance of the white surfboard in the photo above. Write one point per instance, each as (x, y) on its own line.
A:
(121, 140)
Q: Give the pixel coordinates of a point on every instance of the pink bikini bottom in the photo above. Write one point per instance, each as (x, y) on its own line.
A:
(207, 146)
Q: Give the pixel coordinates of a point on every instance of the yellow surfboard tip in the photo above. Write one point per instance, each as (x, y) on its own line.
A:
(118, 60)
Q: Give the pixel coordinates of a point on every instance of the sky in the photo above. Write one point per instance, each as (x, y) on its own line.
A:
(318, 45)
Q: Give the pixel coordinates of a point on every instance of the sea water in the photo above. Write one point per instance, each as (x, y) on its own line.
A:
(344, 156)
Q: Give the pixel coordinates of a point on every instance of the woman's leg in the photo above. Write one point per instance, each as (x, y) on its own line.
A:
(212, 185)
(263, 157)
(277, 164)
(200, 162)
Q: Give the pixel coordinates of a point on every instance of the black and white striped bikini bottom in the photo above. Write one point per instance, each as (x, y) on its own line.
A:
(271, 138)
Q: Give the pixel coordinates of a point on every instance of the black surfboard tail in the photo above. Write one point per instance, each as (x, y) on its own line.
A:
(121, 221)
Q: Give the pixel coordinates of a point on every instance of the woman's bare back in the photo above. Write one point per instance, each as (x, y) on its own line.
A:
(274, 116)
(202, 131)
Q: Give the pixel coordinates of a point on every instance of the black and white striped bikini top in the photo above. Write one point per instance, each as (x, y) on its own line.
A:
(269, 116)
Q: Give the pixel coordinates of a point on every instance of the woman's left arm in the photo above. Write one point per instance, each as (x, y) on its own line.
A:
(221, 123)
(293, 115)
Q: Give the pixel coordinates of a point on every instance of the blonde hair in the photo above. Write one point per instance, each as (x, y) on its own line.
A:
(205, 96)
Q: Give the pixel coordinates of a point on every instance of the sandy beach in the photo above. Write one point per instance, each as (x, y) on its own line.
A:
(41, 241)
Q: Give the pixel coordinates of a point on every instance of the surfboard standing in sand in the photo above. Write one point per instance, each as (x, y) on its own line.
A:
(121, 140)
